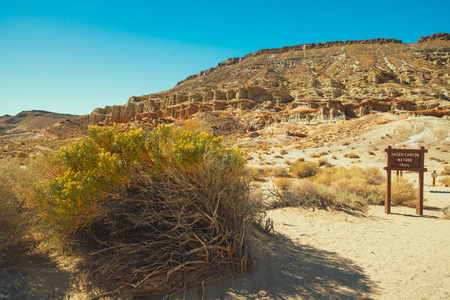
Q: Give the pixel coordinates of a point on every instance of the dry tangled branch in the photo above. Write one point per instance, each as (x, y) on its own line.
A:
(170, 231)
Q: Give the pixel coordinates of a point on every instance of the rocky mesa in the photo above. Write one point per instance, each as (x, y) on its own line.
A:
(307, 83)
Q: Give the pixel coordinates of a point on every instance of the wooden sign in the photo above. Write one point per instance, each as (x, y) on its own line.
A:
(409, 160)
(404, 159)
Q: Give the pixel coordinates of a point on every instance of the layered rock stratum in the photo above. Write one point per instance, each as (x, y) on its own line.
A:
(307, 83)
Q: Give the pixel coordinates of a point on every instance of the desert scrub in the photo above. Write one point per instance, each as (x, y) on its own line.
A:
(351, 155)
(403, 192)
(322, 162)
(316, 155)
(446, 170)
(303, 169)
(301, 193)
(445, 181)
(14, 215)
(277, 171)
(254, 174)
(144, 209)
(362, 183)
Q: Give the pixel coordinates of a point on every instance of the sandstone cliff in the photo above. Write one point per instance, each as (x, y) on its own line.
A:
(307, 83)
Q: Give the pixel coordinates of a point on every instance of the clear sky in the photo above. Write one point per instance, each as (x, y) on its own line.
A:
(73, 56)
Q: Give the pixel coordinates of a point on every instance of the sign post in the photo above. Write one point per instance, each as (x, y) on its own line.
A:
(408, 160)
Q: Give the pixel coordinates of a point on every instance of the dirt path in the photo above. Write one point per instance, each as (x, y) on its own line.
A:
(334, 255)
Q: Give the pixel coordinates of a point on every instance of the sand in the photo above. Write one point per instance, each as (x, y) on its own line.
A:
(335, 255)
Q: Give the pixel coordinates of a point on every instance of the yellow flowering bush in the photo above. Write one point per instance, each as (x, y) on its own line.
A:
(91, 168)
(184, 148)
(104, 162)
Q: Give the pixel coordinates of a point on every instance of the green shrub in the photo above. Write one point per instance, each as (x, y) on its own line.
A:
(303, 169)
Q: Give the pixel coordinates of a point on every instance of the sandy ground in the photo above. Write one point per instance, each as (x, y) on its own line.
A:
(335, 255)
(318, 254)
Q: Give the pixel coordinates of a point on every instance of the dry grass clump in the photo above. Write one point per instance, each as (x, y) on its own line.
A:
(354, 184)
(302, 193)
(445, 181)
(316, 155)
(303, 169)
(254, 174)
(403, 192)
(282, 183)
(277, 171)
(322, 162)
(351, 155)
(14, 219)
(151, 212)
(351, 189)
(446, 170)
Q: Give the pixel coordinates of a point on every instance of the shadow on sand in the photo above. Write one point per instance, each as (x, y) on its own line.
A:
(285, 270)
(28, 276)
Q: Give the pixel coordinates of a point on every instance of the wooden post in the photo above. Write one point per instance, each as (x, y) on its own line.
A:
(419, 204)
(387, 201)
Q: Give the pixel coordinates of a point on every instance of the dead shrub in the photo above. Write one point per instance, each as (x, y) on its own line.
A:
(277, 171)
(303, 169)
(445, 181)
(172, 230)
(302, 193)
(446, 170)
(323, 162)
(282, 183)
(351, 155)
(254, 174)
(360, 184)
(14, 216)
(403, 192)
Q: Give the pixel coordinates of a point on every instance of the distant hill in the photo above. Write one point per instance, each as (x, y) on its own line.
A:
(31, 120)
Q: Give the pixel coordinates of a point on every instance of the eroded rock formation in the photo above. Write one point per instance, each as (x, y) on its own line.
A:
(306, 83)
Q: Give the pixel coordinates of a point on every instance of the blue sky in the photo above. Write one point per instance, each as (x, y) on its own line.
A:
(73, 56)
